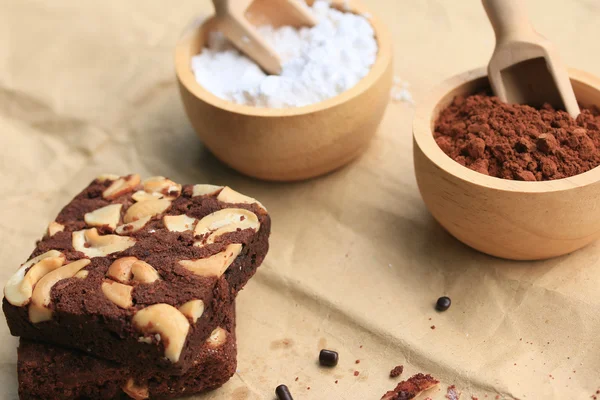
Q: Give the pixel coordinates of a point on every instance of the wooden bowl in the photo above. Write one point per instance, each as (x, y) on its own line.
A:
(504, 218)
(286, 144)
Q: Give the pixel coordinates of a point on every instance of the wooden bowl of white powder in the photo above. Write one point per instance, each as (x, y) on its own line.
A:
(317, 116)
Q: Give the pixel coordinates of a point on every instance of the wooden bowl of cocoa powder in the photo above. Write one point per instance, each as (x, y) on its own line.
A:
(515, 218)
(287, 144)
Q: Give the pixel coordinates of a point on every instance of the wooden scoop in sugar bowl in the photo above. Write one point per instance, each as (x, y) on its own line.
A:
(232, 22)
(283, 144)
(525, 67)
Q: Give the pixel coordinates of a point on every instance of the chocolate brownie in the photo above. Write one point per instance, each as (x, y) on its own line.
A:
(136, 272)
(48, 372)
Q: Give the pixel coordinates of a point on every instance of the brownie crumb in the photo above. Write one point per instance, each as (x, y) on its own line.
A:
(397, 371)
(356, 373)
(411, 387)
(432, 326)
(357, 362)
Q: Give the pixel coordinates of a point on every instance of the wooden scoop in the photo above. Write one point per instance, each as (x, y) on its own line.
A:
(232, 22)
(525, 67)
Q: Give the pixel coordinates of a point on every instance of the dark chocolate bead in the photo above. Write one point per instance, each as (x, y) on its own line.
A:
(328, 358)
(283, 393)
(443, 303)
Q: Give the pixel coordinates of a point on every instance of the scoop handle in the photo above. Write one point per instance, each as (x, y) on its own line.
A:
(509, 19)
(232, 22)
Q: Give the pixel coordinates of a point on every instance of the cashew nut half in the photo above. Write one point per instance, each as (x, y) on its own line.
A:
(160, 184)
(118, 293)
(107, 177)
(147, 208)
(224, 221)
(193, 309)
(19, 288)
(54, 227)
(203, 190)
(167, 321)
(217, 338)
(214, 265)
(121, 186)
(144, 272)
(82, 274)
(108, 215)
(136, 392)
(140, 195)
(132, 227)
(90, 243)
(40, 299)
(179, 223)
(228, 195)
(125, 269)
(120, 269)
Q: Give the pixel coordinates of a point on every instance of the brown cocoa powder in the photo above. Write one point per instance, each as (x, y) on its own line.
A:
(518, 142)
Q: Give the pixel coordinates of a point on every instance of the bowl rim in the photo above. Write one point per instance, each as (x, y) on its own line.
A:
(183, 56)
(423, 138)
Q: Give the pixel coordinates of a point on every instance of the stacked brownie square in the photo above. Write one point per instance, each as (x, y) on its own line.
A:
(131, 292)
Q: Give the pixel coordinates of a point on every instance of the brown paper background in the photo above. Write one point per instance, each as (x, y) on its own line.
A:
(88, 87)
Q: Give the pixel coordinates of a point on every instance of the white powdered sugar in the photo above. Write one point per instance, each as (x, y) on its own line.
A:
(400, 91)
(318, 63)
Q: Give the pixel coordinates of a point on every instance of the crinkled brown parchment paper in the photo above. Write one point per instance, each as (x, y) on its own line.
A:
(88, 87)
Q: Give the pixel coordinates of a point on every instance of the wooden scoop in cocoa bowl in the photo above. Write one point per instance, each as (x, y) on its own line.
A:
(525, 67)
